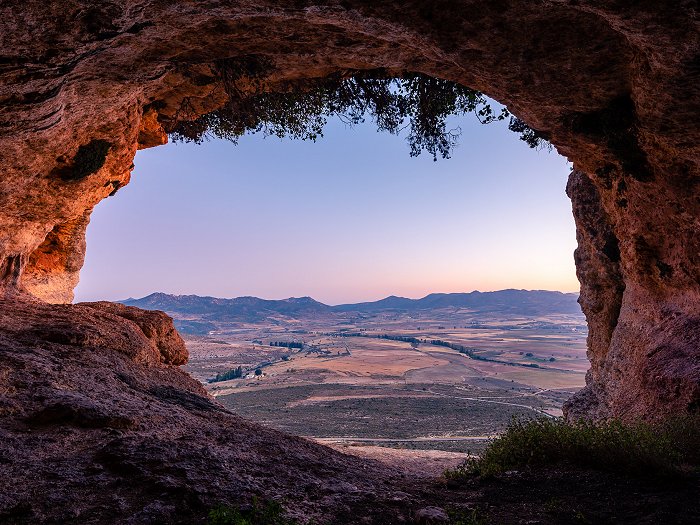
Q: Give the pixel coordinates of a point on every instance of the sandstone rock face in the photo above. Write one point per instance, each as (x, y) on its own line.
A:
(145, 336)
(613, 85)
(156, 326)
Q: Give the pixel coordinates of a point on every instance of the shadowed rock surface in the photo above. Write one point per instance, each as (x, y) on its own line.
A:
(156, 326)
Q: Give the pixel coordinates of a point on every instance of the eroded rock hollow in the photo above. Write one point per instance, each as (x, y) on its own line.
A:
(614, 85)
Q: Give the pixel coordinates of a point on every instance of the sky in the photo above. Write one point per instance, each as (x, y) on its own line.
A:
(349, 218)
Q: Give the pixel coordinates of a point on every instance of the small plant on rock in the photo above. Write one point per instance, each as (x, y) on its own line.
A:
(268, 513)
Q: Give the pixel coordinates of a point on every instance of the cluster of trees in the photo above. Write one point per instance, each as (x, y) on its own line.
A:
(414, 102)
(403, 338)
(287, 344)
(234, 373)
(471, 352)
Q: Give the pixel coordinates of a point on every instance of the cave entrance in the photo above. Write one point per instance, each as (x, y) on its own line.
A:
(353, 218)
(85, 83)
(582, 75)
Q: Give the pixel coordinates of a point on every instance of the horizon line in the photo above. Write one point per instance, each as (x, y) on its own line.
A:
(344, 303)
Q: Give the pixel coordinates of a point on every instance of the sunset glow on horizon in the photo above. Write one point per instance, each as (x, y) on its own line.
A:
(347, 219)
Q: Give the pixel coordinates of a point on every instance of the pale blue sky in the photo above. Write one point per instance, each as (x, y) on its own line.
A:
(349, 218)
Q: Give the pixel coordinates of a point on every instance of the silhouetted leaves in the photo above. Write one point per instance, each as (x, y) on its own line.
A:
(531, 137)
(413, 102)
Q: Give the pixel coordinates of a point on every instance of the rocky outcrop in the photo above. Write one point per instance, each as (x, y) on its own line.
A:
(155, 325)
(644, 340)
(96, 428)
(145, 336)
(612, 84)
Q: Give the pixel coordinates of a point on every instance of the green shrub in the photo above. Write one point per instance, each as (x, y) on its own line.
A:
(684, 434)
(640, 449)
(473, 517)
(269, 513)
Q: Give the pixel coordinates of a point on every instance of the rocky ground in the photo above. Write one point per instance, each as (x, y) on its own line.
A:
(97, 425)
(414, 463)
(612, 84)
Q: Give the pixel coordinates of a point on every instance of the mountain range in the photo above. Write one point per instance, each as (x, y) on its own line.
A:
(252, 309)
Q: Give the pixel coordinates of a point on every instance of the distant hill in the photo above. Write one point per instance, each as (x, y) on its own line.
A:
(524, 302)
(241, 309)
(253, 309)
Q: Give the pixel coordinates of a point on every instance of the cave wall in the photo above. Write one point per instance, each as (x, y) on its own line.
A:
(613, 84)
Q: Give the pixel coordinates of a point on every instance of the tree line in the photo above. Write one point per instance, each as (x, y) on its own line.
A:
(287, 344)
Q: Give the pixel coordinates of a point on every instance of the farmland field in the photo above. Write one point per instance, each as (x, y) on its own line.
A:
(445, 379)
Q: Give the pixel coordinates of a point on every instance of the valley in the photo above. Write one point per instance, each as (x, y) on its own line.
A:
(444, 377)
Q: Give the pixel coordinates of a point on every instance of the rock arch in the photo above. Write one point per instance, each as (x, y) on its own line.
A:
(613, 84)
